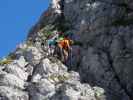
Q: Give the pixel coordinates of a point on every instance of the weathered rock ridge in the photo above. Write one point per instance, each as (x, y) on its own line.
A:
(102, 70)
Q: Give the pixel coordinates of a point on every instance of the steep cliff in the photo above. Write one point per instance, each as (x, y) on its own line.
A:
(104, 60)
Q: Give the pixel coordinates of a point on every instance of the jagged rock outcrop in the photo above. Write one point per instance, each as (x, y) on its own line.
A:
(99, 69)
(34, 76)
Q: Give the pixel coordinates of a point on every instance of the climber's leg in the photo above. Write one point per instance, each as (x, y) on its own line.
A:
(57, 51)
(62, 58)
(65, 56)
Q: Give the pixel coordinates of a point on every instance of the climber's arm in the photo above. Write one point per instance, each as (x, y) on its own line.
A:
(68, 45)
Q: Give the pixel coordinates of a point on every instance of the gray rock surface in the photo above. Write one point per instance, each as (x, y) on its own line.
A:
(99, 69)
(9, 93)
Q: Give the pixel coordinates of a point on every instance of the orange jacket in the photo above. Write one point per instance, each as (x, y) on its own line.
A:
(65, 43)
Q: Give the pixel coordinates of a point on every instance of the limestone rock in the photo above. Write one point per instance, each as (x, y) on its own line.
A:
(8, 93)
(11, 80)
(100, 68)
(16, 70)
(33, 55)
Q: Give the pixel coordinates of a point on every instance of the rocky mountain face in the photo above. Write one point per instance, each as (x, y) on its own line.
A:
(99, 69)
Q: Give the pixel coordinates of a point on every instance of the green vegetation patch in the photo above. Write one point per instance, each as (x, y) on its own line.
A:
(8, 59)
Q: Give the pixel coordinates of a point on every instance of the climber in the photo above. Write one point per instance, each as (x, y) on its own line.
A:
(51, 42)
(65, 48)
(51, 46)
(57, 50)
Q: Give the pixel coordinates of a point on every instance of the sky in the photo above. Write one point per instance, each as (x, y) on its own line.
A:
(16, 19)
